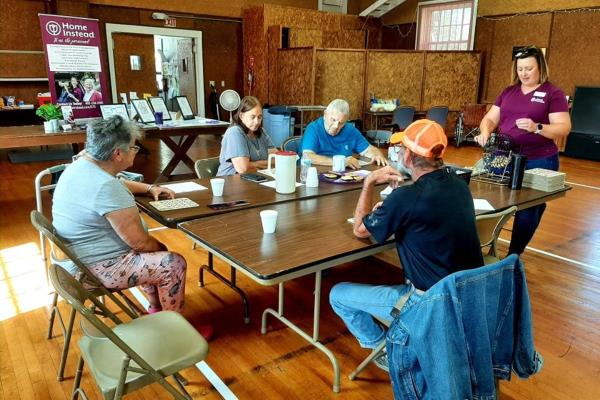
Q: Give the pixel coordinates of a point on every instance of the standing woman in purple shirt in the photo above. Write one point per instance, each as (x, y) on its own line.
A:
(533, 112)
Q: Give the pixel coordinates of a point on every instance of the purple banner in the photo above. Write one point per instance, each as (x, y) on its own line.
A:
(74, 63)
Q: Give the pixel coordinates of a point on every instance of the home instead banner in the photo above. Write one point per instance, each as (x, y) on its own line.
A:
(74, 63)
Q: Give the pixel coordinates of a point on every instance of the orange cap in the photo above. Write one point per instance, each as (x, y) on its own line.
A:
(421, 137)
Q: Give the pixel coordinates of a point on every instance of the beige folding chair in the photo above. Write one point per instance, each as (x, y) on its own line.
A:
(132, 354)
(374, 353)
(60, 253)
(207, 167)
(488, 229)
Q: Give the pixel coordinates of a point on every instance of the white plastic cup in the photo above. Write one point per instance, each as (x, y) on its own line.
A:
(339, 163)
(312, 177)
(268, 218)
(217, 185)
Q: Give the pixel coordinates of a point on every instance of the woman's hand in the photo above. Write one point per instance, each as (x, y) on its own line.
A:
(482, 139)
(526, 124)
(159, 191)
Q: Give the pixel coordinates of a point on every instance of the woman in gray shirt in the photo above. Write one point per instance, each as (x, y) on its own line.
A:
(245, 145)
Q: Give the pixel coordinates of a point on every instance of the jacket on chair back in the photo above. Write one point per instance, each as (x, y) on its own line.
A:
(465, 330)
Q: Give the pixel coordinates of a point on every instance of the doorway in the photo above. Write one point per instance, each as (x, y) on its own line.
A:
(157, 61)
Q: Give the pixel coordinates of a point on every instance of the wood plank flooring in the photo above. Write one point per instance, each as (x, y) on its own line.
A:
(565, 298)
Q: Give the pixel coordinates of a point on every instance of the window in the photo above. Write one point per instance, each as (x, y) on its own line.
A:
(446, 25)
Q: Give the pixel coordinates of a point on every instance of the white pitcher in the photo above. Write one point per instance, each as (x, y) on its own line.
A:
(285, 171)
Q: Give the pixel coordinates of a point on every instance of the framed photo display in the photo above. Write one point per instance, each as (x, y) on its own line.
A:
(108, 110)
(143, 110)
(184, 107)
(158, 105)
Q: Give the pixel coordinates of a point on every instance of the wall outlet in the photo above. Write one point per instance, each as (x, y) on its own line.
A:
(211, 83)
(222, 83)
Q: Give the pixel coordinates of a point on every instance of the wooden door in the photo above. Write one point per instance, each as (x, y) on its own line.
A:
(127, 80)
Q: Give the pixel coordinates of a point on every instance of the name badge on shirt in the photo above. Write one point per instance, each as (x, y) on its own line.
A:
(538, 97)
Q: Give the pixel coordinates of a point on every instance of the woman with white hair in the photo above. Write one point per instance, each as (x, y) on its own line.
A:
(330, 135)
(91, 94)
(95, 212)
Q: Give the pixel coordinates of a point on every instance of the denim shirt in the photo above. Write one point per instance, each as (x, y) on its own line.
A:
(465, 330)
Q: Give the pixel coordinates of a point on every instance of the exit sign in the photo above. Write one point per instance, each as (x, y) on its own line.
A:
(171, 22)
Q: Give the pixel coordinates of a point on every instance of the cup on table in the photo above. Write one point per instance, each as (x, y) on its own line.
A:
(268, 218)
(339, 163)
(217, 185)
(312, 177)
(158, 117)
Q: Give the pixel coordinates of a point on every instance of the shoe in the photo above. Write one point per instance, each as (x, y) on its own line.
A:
(382, 361)
(206, 330)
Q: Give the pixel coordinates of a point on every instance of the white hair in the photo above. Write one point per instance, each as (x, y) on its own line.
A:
(340, 106)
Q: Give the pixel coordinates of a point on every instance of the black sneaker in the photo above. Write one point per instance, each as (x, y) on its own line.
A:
(382, 361)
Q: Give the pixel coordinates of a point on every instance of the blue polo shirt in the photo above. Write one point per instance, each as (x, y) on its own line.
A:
(347, 142)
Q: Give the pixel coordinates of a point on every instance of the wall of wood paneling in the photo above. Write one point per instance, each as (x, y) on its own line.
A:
(221, 8)
(19, 27)
(341, 30)
(274, 43)
(396, 75)
(305, 37)
(574, 50)
(340, 74)
(451, 79)
(296, 76)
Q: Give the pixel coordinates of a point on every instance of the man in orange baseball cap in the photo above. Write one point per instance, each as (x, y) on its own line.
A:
(433, 221)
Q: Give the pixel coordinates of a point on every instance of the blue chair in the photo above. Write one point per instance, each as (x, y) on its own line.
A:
(438, 114)
(403, 117)
(291, 144)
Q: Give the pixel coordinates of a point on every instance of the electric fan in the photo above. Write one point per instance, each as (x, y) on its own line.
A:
(230, 101)
(495, 165)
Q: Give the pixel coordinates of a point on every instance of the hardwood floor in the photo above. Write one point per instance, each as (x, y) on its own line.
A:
(565, 297)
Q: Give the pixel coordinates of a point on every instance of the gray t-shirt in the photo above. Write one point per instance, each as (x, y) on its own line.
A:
(236, 143)
(85, 193)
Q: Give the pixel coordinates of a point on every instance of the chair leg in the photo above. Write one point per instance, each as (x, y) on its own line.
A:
(77, 381)
(65, 352)
(52, 315)
(367, 360)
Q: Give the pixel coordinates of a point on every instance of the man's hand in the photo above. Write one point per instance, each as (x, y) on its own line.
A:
(385, 175)
(352, 162)
(380, 160)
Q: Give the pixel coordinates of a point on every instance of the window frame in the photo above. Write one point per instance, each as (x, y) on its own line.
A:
(473, 22)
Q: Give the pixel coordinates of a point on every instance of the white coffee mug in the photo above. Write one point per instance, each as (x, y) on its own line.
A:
(312, 177)
(339, 163)
(268, 219)
(217, 185)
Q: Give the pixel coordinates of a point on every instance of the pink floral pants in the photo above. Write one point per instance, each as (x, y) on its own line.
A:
(161, 271)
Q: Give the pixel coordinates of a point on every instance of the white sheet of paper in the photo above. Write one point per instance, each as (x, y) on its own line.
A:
(184, 187)
(271, 184)
(483, 204)
(266, 172)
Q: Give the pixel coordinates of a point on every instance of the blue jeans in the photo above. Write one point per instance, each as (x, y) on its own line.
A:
(357, 303)
(527, 221)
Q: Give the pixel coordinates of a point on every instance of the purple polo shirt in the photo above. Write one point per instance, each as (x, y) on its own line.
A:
(536, 105)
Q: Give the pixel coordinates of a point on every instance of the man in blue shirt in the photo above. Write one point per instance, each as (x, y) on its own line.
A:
(330, 135)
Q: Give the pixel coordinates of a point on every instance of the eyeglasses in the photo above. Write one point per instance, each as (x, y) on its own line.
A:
(134, 148)
(525, 52)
